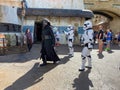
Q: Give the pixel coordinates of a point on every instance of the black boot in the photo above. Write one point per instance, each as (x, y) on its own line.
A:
(44, 63)
(54, 62)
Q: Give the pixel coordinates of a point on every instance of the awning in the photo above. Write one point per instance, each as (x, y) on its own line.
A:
(56, 12)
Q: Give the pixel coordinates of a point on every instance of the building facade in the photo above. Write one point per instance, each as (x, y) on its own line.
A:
(60, 13)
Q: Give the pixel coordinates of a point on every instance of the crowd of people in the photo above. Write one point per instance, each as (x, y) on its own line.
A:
(49, 42)
(106, 37)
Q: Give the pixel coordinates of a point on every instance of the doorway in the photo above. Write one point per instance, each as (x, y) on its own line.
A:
(38, 32)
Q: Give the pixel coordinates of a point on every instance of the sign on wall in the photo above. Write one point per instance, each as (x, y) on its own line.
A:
(80, 30)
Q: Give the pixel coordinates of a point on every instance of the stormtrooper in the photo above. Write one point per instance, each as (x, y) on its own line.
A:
(70, 38)
(88, 44)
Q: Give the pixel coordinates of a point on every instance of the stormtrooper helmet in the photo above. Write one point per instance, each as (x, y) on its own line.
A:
(87, 25)
(70, 27)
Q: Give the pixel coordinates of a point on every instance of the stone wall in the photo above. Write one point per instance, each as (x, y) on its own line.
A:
(110, 7)
(115, 24)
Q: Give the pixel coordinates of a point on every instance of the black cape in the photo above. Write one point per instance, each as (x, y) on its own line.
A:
(47, 51)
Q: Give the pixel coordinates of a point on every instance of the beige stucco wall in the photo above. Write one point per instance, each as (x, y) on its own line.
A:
(58, 21)
(60, 4)
(64, 4)
(115, 24)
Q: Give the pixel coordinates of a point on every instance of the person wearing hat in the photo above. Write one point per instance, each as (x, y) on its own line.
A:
(48, 42)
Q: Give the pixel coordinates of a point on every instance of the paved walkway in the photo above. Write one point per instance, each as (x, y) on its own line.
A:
(23, 71)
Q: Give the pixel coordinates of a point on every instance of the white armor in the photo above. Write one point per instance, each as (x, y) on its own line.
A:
(70, 39)
(88, 44)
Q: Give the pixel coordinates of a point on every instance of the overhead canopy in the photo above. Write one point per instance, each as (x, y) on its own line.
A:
(15, 3)
(56, 12)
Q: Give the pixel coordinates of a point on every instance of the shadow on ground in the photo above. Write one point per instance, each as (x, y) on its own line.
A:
(30, 78)
(34, 76)
(63, 49)
(83, 82)
(34, 54)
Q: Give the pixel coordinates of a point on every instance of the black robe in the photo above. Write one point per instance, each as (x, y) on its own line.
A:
(48, 41)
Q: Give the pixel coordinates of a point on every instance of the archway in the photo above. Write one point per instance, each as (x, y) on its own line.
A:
(107, 18)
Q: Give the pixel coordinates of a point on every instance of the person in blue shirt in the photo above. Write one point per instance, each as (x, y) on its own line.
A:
(108, 39)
